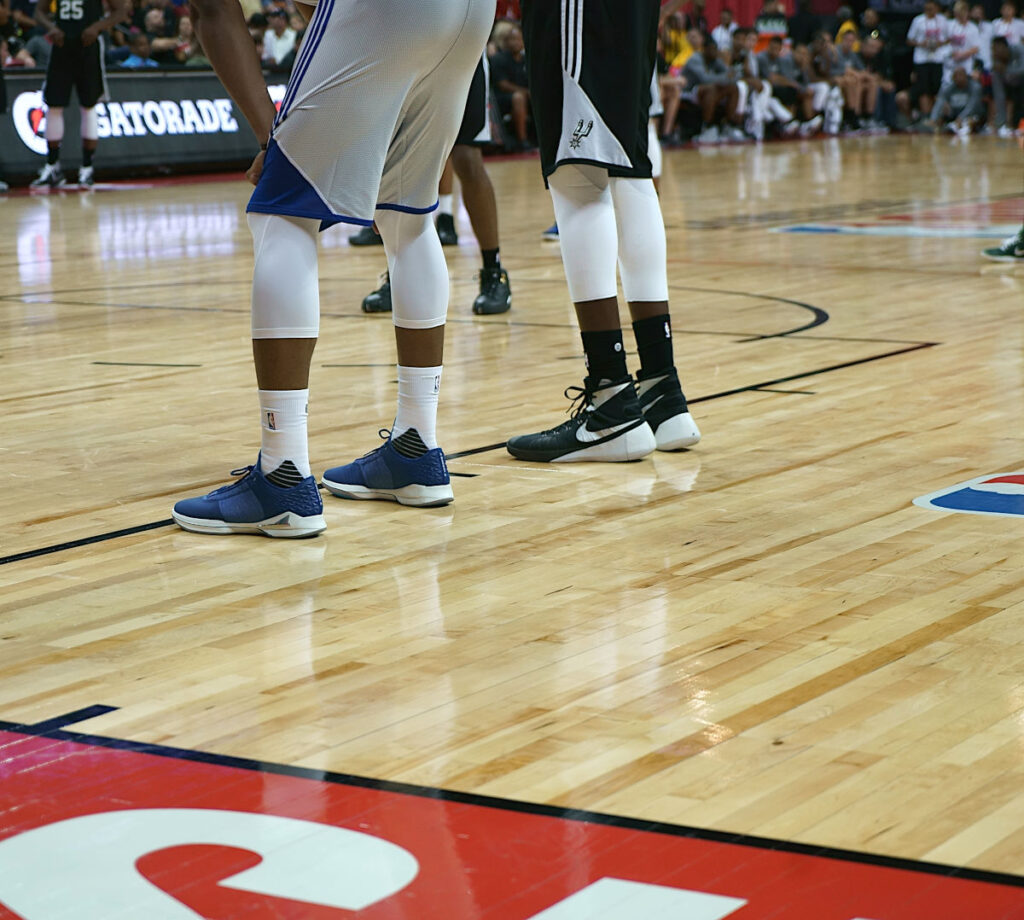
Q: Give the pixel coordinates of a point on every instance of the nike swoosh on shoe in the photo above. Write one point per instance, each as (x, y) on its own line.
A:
(585, 436)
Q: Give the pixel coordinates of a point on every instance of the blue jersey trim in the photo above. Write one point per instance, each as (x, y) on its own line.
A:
(282, 189)
(306, 51)
(405, 209)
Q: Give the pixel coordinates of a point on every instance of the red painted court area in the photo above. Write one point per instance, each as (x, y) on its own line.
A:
(91, 831)
(1003, 211)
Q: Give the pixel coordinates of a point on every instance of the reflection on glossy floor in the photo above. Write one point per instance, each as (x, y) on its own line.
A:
(763, 635)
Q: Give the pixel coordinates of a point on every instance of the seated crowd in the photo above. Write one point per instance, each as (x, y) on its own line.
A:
(801, 74)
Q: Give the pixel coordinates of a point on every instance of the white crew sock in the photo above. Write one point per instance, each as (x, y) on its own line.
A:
(417, 403)
(283, 421)
(445, 203)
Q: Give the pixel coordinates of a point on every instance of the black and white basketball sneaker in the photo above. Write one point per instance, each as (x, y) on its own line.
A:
(607, 424)
(495, 292)
(664, 407)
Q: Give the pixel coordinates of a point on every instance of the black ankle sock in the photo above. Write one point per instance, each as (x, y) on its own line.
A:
(286, 476)
(53, 155)
(87, 156)
(410, 444)
(606, 358)
(654, 343)
(491, 258)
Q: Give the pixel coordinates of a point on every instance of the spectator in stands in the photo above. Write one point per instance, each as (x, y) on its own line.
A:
(162, 47)
(139, 58)
(22, 18)
(711, 86)
(508, 76)
(846, 23)
(156, 18)
(671, 84)
(859, 85)
(1007, 84)
(822, 81)
(964, 42)
(1009, 25)
(694, 15)
(984, 35)
(958, 106)
(878, 61)
(279, 40)
(673, 37)
(928, 36)
(722, 34)
(803, 24)
(258, 25)
(872, 27)
(789, 85)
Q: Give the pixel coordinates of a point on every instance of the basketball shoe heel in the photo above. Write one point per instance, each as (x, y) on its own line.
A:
(386, 475)
(607, 424)
(255, 505)
(664, 407)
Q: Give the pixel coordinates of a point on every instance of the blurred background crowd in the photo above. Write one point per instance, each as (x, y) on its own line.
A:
(736, 76)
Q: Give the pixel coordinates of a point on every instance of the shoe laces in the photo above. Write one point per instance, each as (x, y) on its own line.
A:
(581, 397)
(242, 472)
(491, 278)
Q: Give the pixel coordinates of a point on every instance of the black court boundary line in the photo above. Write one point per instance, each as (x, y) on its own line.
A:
(54, 729)
(753, 388)
(85, 541)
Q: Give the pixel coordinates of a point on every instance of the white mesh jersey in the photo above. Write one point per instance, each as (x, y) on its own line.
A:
(372, 109)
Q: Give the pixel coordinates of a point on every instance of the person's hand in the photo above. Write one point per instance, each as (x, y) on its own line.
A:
(254, 172)
(90, 34)
(56, 36)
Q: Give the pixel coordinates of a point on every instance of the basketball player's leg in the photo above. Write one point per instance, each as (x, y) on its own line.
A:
(56, 95)
(445, 220)
(90, 88)
(409, 467)
(644, 273)
(608, 423)
(278, 497)
(482, 205)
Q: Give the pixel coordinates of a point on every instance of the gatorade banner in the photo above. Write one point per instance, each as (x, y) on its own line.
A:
(150, 121)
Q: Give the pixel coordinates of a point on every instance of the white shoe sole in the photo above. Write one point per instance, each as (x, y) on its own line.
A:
(416, 496)
(634, 444)
(678, 432)
(286, 525)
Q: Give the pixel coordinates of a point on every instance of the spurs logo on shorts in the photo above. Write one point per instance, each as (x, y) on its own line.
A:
(580, 134)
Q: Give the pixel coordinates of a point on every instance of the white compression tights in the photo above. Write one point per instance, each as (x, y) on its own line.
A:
(602, 220)
(285, 282)
(419, 275)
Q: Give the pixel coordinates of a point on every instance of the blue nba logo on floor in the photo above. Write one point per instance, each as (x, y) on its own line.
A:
(999, 494)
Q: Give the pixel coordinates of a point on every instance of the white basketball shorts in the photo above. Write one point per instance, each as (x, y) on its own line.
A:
(372, 109)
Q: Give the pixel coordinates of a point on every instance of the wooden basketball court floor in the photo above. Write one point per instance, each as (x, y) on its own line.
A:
(760, 636)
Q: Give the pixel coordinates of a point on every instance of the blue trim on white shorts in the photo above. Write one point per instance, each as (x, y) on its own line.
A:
(282, 189)
(405, 209)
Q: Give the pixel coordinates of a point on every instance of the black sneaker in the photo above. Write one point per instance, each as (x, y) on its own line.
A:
(446, 230)
(495, 294)
(664, 407)
(1011, 250)
(380, 300)
(365, 237)
(607, 424)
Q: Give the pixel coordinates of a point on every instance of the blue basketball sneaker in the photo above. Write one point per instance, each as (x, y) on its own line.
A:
(388, 475)
(255, 505)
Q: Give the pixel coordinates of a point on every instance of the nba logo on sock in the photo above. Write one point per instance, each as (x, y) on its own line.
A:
(271, 421)
(999, 494)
